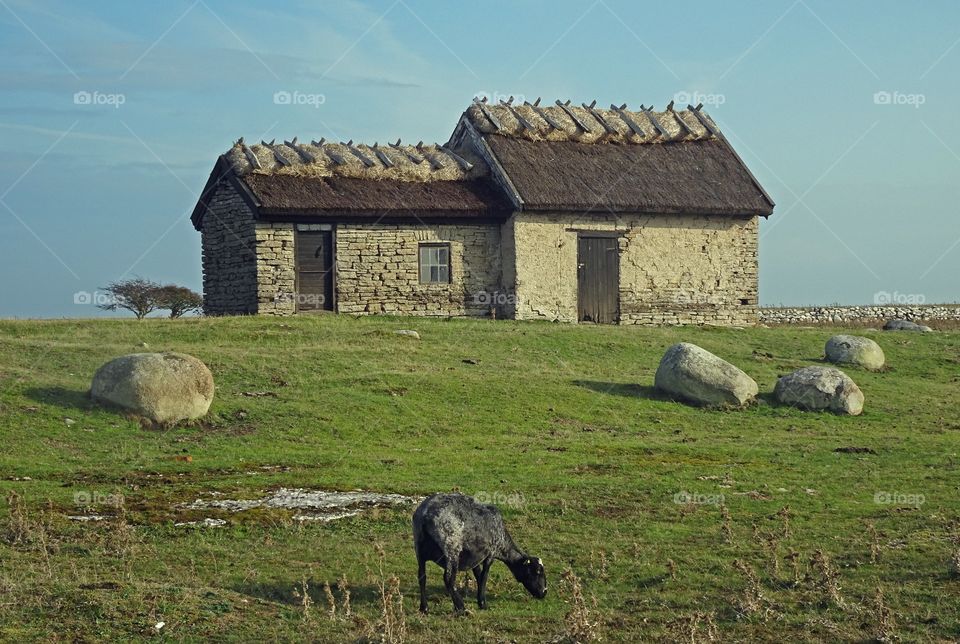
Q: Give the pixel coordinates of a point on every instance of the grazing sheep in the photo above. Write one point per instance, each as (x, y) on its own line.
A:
(457, 533)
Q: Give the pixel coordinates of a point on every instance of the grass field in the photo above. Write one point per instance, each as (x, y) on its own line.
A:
(675, 523)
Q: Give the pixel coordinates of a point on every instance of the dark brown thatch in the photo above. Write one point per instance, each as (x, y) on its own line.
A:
(696, 177)
(283, 194)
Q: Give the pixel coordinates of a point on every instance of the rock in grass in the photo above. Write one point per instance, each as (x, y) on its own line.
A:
(817, 388)
(409, 333)
(696, 375)
(163, 387)
(906, 325)
(855, 350)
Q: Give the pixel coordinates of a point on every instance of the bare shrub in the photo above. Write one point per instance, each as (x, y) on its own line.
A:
(828, 581)
(752, 601)
(697, 627)
(579, 626)
(885, 628)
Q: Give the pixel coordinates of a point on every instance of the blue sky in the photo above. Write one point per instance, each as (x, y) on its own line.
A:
(866, 184)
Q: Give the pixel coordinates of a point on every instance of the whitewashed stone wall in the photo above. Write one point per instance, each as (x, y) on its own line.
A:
(674, 269)
(378, 269)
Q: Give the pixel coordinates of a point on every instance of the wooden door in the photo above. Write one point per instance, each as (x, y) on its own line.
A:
(314, 263)
(598, 279)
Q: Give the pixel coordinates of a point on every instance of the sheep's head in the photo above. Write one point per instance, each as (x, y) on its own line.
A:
(529, 572)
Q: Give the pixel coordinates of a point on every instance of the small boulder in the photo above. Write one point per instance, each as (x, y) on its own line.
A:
(855, 350)
(163, 387)
(696, 375)
(409, 333)
(906, 325)
(815, 388)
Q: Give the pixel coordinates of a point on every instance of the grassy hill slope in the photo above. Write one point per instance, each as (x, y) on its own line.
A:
(594, 472)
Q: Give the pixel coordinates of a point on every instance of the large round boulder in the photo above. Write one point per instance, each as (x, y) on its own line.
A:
(696, 375)
(856, 350)
(816, 388)
(906, 325)
(163, 387)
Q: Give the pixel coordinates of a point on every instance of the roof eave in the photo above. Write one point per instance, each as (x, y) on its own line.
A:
(646, 210)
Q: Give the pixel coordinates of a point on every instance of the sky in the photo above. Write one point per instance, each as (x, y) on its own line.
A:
(112, 115)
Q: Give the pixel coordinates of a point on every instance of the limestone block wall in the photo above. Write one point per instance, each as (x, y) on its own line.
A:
(228, 245)
(378, 269)
(276, 269)
(674, 269)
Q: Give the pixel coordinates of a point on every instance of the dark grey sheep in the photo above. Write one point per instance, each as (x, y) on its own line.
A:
(458, 533)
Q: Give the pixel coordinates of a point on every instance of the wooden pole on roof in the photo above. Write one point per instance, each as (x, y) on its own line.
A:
(334, 156)
(465, 165)
(653, 119)
(435, 162)
(384, 159)
(631, 123)
(597, 115)
(527, 125)
(544, 114)
(367, 161)
(282, 160)
(405, 150)
(703, 119)
(566, 108)
(486, 112)
(305, 156)
(251, 157)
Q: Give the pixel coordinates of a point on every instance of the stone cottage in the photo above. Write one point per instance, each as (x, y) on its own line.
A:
(560, 212)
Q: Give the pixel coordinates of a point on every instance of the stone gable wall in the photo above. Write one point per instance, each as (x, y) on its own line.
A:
(674, 269)
(228, 245)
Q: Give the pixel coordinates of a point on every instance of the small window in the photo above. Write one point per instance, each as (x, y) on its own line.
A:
(435, 263)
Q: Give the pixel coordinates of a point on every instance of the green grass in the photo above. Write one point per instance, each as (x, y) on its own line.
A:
(563, 417)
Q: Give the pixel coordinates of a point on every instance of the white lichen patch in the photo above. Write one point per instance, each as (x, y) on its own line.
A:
(312, 505)
(206, 523)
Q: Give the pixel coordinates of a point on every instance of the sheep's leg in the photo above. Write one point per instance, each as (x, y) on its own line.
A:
(450, 581)
(481, 572)
(422, 578)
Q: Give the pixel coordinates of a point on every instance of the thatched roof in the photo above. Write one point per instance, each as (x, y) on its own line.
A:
(376, 181)
(585, 124)
(701, 177)
(292, 195)
(501, 157)
(586, 159)
(358, 161)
